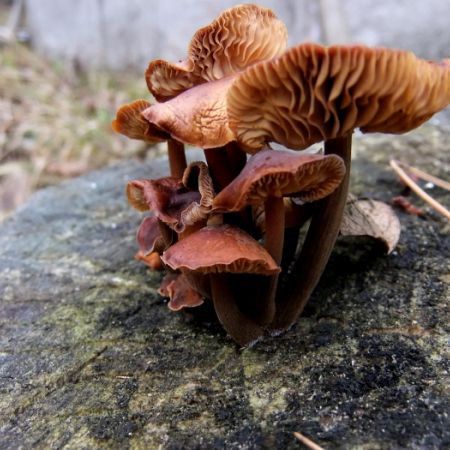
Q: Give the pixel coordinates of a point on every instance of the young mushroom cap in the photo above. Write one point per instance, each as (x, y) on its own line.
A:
(313, 93)
(149, 237)
(177, 203)
(239, 37)
(180, 292)
(220, 249)
(272, 173)
(130, 122)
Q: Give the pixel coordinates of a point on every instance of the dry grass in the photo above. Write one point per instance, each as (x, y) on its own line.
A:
(56, 124)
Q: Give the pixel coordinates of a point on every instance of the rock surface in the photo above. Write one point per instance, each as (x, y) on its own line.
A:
(92, 358)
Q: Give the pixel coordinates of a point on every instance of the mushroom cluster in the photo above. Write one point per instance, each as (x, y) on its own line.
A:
(227, 231)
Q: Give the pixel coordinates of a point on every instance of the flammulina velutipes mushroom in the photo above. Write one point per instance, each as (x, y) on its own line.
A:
(227, 230)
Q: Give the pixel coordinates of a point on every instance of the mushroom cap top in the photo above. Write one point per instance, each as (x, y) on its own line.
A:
(273, 173)
(238, 37)
(218, 249)
(130, 122)
(313, 93)
(197, 116)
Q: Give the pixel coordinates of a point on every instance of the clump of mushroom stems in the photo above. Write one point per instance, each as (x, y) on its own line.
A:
(233, 103)
(319, 242)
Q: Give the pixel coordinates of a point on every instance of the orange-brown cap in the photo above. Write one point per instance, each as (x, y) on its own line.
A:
(129, 122)
(239, 37)
(218, 249)
(273, 173)
(313, 93)
(197, 117)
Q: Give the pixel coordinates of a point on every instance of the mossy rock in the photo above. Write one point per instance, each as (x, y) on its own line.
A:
(92, 358)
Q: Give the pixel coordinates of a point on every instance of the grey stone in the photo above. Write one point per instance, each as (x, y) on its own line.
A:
(92, 358)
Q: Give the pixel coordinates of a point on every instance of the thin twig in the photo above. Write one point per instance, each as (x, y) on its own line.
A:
(425, 176)
(420, 192)
(308, 442)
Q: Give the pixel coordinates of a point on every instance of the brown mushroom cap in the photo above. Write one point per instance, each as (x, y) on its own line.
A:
(239, 37)
(181, 293)
(197, 117)
(313, 93)
(149, 236)
(218, 249)
(177, 203)
(130, 123)
(273, 173)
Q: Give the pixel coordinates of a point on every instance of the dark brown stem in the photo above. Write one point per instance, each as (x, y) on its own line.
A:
(237, 158)
(243, 330)
(291, 236)
(177, 158)
(319, 242)
(273, 242)
(219, 167)
(222, 174)
(296, 216)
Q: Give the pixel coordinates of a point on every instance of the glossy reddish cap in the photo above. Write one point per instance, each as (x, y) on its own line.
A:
(274, 173)
(217, 249)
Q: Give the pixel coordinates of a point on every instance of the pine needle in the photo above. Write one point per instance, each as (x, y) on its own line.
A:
(418, 190)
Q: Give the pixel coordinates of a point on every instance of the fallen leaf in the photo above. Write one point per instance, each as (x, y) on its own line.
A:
(365, 217)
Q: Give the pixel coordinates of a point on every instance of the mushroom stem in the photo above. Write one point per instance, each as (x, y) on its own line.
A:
(273, 242)
(295, 217)
(243, 330)
(274, 237)
(291, 237)
(177, 158)
(319, 242)
(219, 167)
(237, 158)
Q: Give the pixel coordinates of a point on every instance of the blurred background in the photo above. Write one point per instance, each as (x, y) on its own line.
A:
(65, 67)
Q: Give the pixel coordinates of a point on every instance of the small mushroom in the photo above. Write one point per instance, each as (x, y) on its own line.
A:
(269, 176)
(180, 292)
(313, 93)
(220, 251)
(177, 203)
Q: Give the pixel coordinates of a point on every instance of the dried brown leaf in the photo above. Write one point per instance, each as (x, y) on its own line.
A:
(365, 217)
